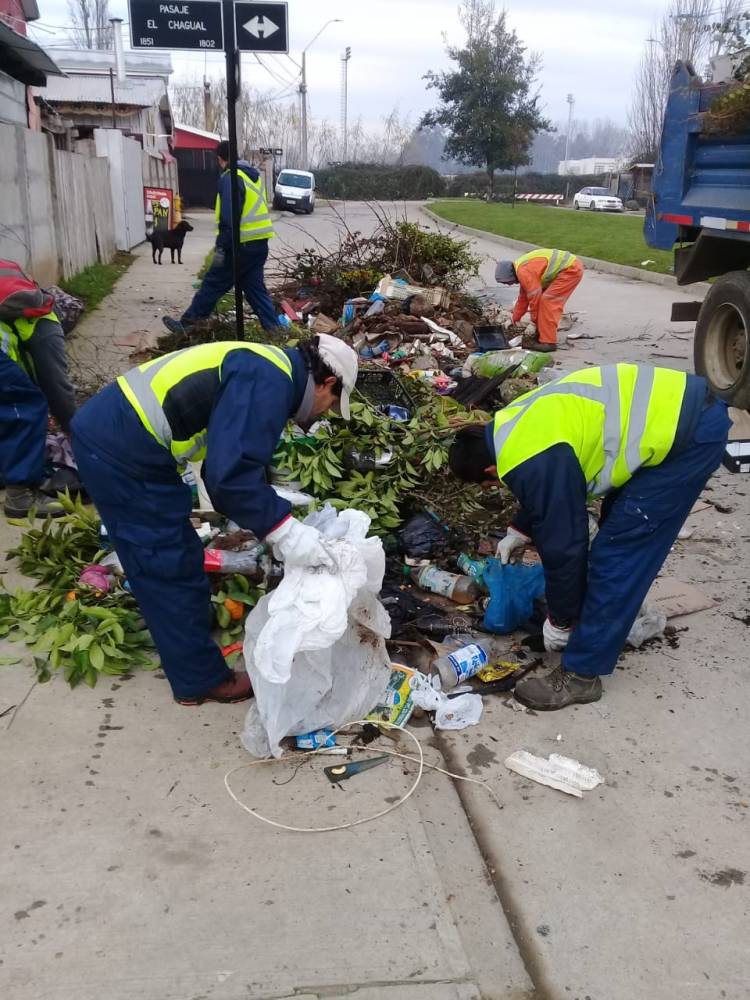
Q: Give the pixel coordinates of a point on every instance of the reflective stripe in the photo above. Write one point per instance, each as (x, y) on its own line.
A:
(5, 345)
(644, 384)
(612, 437)
(559, 260)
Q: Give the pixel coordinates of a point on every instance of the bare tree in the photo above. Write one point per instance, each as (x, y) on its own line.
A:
(91, 28)
(681, 33)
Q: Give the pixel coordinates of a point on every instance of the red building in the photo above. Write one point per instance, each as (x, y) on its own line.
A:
(17, 12)
(195, 151)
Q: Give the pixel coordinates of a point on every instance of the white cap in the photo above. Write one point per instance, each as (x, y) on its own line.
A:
(342, 360)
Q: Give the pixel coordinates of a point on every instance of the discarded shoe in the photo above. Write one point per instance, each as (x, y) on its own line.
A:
(21, 500)
(557, 689)
(173, 325)
(233, 689)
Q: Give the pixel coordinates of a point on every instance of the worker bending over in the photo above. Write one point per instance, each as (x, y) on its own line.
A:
(547, 278)
(33, 381)
(646, 440)
(256, 229)
(225, 403)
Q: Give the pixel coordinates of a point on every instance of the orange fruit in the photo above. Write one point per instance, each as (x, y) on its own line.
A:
(236, 609)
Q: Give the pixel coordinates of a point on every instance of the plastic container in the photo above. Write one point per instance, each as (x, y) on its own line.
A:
(224, 561)
(188, 478)
(455, 586)
(475, 568)
(379, 386)
(317, 740)
(462, 663)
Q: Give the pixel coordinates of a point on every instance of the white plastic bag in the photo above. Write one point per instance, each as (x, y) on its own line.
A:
(315, 648)
(649, 623)
(455, 712)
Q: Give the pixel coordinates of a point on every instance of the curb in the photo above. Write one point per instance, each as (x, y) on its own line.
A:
(473, 802)
(591, 263)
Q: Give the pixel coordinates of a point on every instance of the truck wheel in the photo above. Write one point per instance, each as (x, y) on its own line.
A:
(722, 338)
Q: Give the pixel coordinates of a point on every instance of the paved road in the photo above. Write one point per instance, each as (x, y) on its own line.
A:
(643, 888)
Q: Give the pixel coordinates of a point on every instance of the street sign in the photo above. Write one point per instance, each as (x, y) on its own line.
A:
(262, 27)
(190, 24)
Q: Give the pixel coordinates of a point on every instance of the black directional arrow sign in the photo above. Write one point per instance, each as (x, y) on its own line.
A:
(262, 27)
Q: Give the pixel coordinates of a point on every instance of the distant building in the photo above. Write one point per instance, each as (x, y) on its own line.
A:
(94, 94)
(591, 166)
(634, 183)
(195, 150)
(22, 64)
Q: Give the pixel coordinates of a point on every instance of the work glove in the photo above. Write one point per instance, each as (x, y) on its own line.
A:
(555, 638)
(297, 544)
(507, 546)
(531, 332)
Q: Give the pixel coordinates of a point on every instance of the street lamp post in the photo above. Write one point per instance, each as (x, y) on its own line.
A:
(345, 57)
(303, 89)
(571, 102)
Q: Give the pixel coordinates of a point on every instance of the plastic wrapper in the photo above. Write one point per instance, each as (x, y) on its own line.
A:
(513, 589)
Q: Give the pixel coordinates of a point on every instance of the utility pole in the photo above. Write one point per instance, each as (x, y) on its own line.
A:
(206, 104)
(571, 102)
(303, 108)
(345, 57)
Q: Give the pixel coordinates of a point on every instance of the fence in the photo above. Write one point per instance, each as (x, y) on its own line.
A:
(84, 224)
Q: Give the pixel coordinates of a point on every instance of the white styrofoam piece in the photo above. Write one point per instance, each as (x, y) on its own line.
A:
(563, 773)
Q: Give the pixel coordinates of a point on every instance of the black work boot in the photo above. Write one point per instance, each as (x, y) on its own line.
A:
(556, 689)
(20, 500)
(173, 325)
(539, 345)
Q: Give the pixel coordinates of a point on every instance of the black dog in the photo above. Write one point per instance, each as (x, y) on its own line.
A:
(172, 239)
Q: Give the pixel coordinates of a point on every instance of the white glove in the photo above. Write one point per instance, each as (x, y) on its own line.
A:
(298, 544)
(513, 540)
(530, 331)
(555, 638)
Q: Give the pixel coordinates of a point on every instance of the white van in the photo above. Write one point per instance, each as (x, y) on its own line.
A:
(295, 189)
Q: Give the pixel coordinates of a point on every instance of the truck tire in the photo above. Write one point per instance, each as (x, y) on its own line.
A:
(722, 338)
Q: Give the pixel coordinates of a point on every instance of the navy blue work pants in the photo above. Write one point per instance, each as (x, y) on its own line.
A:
(23, 426)
(149, 528)
(219, 279)
(641, 525)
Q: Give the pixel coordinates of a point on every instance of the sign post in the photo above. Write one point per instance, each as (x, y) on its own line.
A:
(209, 25)
(233, 69)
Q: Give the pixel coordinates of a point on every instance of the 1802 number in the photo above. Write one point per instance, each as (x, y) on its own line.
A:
(206, 43)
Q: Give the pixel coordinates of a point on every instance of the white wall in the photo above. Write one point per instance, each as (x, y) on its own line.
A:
(126, 179)
(12, 101)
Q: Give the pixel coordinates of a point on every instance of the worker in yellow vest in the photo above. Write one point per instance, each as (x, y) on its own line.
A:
(547, 278)
(256, 229)
(33, 382)
(644, 439)
(225, 404)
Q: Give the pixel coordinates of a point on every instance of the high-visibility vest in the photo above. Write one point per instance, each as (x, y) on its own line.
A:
(255, 219)
(14, 335)
(173, 395)
(557, 260)
(616, 418)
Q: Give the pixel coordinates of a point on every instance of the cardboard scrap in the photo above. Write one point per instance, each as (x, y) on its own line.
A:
(673, 597)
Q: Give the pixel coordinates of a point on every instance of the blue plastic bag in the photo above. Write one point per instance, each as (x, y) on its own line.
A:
(513, 588)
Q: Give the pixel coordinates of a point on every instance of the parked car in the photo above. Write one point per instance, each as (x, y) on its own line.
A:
(597, 200)
(295, 189)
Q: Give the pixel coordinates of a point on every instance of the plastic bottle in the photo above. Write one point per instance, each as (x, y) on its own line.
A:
(472, 567)
(462, 663)
(224, 561)
(456, 587)
(188, 478)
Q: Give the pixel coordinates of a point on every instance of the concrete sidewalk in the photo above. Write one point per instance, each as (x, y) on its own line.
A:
(129, 319)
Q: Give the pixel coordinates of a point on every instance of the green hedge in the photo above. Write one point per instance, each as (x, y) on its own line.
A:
(370, 182)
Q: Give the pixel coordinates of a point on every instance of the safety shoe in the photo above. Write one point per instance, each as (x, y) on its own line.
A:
(539, 345)
(556, 689)
(234, 688)
(173, 325)
(21, 500)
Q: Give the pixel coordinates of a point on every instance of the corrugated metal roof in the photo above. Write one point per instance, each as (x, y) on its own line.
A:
(23, 59)
(94, 89)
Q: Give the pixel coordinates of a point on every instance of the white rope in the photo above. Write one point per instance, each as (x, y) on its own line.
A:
(367, 749)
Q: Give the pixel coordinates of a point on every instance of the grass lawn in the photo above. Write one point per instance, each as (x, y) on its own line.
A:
(591, 234)
(95, 282)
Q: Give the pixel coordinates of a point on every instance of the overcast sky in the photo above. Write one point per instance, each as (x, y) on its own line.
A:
(587, 50)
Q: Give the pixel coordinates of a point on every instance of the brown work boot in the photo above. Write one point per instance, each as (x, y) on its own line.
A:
(556, 689)
(234, 688)
(21, 500)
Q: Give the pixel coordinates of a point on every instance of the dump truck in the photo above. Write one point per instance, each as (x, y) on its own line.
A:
(700, 205)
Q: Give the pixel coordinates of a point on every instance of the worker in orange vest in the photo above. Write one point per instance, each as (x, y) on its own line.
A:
(547, 278)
